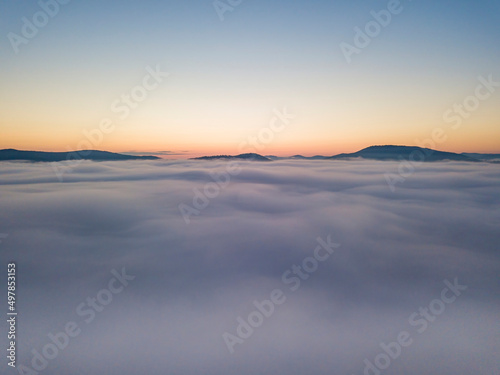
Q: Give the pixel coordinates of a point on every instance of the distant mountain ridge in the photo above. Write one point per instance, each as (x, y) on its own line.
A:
(396, 153)
(381, 153)
(390, 152)
(482, 156)
(249, 157)
(297, 157)
(42, 156)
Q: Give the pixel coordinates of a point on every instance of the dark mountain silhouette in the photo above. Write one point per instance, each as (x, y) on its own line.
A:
(403, 152)
(316, 157)
(250, 157)
(297, 157)
(372, 153)
(41, 156)
(482, 157)
(273, 157)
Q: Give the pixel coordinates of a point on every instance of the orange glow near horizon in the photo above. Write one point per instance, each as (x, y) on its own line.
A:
(324, 120)
(214, 128)
(193, 89)
(184, 150)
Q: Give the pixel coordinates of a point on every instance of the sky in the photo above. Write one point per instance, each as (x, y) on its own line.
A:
(187, 283)
(223, 71)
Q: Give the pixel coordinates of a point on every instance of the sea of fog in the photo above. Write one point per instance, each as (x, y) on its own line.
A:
(288, 267)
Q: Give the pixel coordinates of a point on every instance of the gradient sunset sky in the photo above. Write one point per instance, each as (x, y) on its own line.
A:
(227, 77)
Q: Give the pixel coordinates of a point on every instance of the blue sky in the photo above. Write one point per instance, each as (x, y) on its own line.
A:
(227, 76)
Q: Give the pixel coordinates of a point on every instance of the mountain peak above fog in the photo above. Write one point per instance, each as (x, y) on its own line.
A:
(380, 152)
(397, 153)
(249, 156)
(391, 152)
(42, 156)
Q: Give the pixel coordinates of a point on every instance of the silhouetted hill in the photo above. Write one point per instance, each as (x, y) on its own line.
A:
(297, 157)
(250, 157)
(41, 156)
(403, 152)
(482, 157)
(372, 153)
(316, 157)
(273, 157)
